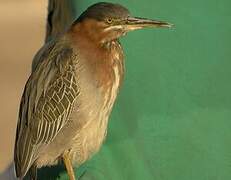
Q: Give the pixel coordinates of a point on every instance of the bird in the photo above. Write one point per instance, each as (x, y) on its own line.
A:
(68, 97)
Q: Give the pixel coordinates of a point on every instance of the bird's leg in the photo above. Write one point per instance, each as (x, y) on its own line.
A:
(68, 165)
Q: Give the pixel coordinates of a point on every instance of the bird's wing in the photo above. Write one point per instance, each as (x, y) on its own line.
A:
(48, 98)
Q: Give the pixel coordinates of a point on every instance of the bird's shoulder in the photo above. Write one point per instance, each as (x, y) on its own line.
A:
(59, 50)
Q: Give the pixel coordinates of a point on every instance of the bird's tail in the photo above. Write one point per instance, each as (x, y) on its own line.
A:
(31, 174)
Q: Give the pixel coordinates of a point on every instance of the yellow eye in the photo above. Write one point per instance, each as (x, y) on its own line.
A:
(109, 20)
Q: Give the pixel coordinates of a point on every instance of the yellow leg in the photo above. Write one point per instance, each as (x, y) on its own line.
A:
(68, 165)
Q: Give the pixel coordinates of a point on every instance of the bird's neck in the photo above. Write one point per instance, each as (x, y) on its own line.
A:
(92, 46)
(109, 45)
(93, 31)
(102, 59)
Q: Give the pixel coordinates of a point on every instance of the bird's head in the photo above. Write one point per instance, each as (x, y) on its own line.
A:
(105, 22)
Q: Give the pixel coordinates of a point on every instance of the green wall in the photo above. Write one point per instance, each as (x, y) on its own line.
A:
(172, 118)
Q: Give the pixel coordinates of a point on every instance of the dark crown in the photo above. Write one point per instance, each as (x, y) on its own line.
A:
(103, 10)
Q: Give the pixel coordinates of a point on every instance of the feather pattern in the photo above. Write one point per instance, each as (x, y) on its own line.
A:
(47, 101)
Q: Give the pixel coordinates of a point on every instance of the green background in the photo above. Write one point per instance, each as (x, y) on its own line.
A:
(172, 118)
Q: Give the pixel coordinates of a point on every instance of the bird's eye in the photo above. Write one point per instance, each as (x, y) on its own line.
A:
(109, 20)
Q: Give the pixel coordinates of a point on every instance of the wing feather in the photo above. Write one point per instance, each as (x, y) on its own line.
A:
(47, 101)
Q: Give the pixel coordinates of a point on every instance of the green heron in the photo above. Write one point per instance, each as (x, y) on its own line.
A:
(69, 96)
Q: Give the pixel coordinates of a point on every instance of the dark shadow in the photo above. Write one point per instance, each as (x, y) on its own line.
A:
(51, 173)
(55, 172)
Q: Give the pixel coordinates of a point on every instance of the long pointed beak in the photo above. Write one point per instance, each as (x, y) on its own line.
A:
(134, 23)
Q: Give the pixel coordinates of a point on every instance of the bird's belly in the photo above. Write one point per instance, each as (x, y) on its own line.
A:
(95, 114)
(89, 140)
(90, 137)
